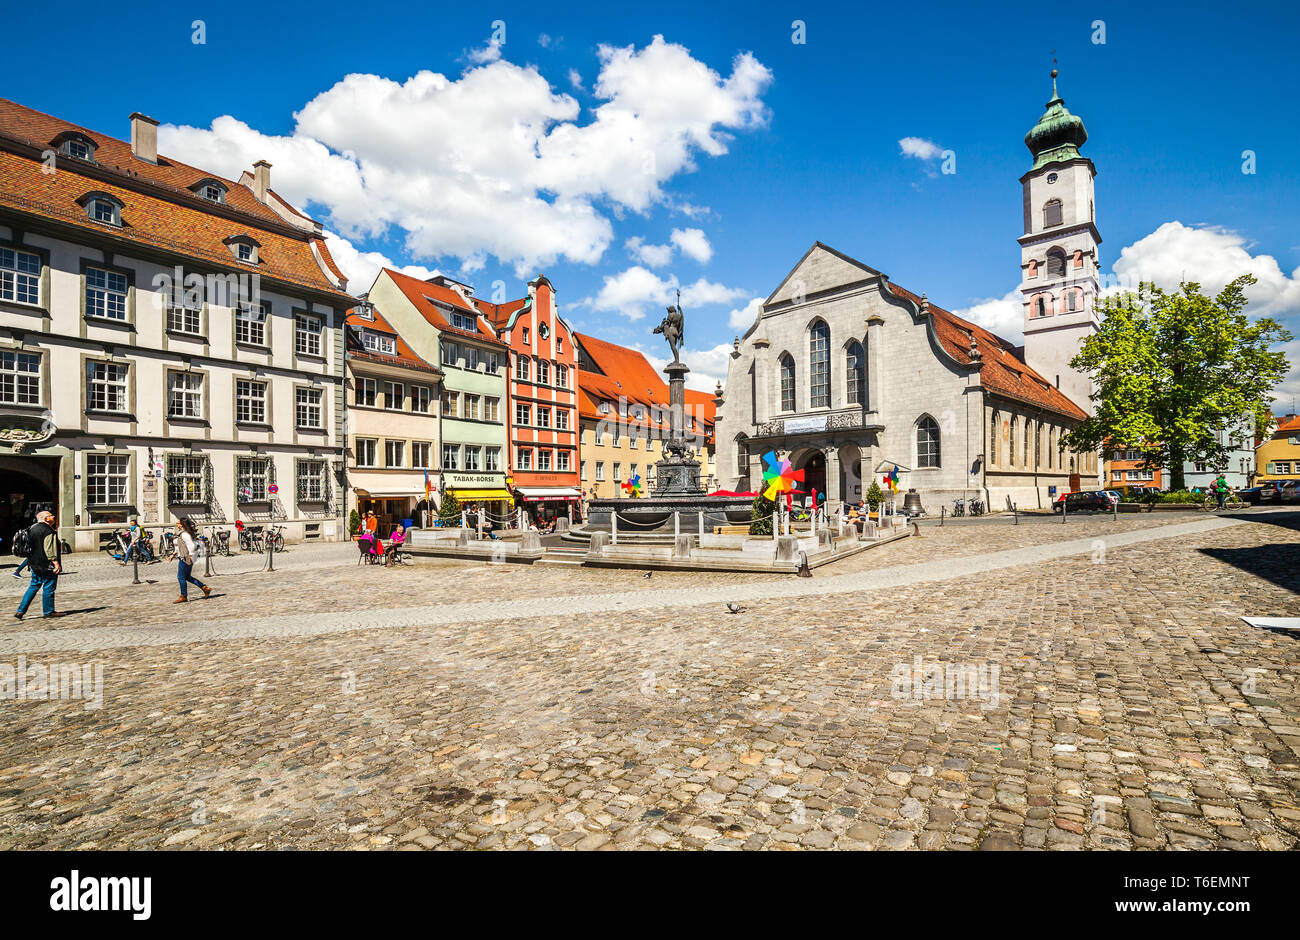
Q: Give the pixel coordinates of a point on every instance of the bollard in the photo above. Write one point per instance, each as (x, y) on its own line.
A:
(943, 511)
(776, 524)
(701, 523)
(1065, 507)
(207, 560)
(677, 523)
(1114, 510)
(613, 528)
(1015, 514)
(135, 567)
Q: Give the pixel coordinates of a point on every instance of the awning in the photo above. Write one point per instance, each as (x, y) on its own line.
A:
(390, 494)
(463, 495)
(548, 492)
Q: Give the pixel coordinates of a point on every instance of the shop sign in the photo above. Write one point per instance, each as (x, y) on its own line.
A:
(474, 480)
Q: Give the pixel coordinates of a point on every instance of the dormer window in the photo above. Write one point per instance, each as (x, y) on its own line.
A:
(464, 321)
(211, 190)
(378, 342)
(102, 207)
(243, 248)
(77, 146)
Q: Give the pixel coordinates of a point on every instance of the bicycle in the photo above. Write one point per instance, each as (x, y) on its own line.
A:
(218, 541)
(976, 506)
(274, 538)
(1232, 503)
(959, 507)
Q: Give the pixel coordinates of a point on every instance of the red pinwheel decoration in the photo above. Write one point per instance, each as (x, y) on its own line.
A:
(780, 477)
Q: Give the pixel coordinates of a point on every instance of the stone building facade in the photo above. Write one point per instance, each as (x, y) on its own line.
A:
(849, 375)
(170, 341)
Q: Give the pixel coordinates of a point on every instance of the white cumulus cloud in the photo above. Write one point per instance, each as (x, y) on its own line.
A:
(632, 291)
(494, 163)
(920, 148)
(693, 243)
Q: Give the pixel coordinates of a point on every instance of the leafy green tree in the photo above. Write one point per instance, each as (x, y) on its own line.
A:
(760, 516)
(1173, 369)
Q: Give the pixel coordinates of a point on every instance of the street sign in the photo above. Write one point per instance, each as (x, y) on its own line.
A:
(272, 488)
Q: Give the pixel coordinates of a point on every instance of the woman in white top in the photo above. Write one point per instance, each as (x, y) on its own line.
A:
(186, 548)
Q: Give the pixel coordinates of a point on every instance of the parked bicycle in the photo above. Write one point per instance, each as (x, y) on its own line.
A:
(975, 506)
(274, 538)
(219, 541)
(958, 507)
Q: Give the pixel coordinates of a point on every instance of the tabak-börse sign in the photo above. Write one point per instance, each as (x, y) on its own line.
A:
(475, 481)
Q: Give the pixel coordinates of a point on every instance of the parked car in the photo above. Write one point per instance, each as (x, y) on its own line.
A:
(1257, 495)
(1089, 501)
(1115, 497)
(1289, 491)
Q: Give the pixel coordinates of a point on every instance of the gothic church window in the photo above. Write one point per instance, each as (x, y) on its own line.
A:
(819, 365)
(787, 382)
(856, 372)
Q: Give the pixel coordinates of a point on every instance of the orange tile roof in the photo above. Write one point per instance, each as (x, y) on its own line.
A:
(405, 356)
(1285, 425)
(499, 314)
(422, 295)
(159, 211)
(628, 374)
(1002, 372)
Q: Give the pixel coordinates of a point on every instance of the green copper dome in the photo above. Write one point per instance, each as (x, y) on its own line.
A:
(1058, 135)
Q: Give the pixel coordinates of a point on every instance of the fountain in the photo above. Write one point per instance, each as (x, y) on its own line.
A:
(677, 476)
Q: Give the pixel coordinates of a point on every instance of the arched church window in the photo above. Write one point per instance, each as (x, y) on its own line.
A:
(993, 439)
(1011, 443)
(855, 370)
(927, 442)
(1040, 306)
(1056, 263)
(1052, 213)
(1072, 300)
(819, 365)
(787, 382)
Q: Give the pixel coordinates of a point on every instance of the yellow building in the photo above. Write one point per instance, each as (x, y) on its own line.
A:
(1278, 458)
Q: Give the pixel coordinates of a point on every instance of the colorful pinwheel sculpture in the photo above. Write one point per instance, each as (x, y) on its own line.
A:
(779, 476)
(633, 486)
(890, 479)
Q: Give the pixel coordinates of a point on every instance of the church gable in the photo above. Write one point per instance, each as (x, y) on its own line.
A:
(822, 268)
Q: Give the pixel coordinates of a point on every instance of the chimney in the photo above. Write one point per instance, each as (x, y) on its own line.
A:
(261, 180)
(144, 137)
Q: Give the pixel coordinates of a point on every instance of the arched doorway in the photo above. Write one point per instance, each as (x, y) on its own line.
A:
(27, 486)
(813, 465)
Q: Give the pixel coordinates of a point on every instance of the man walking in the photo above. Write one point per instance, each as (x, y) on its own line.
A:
(46, 564)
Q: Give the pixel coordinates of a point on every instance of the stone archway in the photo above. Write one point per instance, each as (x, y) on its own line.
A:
(812, 462)
(852, 484)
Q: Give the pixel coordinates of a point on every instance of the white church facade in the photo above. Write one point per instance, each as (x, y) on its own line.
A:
(848, 374)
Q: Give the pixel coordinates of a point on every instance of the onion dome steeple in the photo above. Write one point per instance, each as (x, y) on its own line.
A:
(1058, 135)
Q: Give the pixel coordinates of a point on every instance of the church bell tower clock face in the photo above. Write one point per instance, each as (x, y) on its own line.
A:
(1060, 263)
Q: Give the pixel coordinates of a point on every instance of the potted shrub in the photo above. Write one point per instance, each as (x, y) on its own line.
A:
(875, 496)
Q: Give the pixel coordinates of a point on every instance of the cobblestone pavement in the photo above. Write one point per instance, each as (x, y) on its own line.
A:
(452, 705)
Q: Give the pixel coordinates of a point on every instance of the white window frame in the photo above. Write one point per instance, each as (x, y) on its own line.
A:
(20, 385)
(20, 276)
(106, 294)
(185, 389)
(250, 397)
(106, 383)
(308, 408)
(109, 474)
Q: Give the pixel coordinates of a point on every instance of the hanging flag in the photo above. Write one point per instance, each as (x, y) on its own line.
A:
(428, 486)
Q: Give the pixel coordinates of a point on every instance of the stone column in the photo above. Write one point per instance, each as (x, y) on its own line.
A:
(875, 341)
(833, 490)
(761, 389)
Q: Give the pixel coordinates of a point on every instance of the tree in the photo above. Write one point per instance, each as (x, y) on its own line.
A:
(1173, 369)
(875, 495)
(449, 510)
(760, 516)
(354, 522)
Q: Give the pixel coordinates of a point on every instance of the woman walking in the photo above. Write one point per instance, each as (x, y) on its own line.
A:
(186, 547)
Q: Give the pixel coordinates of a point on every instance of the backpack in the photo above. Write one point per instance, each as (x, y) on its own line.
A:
(22, 546)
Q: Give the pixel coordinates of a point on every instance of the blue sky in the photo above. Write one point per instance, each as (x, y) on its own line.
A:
(780, 144)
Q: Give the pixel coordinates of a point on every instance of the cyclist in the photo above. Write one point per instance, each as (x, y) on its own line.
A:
(1220, 490)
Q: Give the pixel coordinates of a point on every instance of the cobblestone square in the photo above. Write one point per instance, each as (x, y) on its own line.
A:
(1087, 685)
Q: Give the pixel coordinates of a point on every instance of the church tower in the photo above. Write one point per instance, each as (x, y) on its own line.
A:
(1059, 262)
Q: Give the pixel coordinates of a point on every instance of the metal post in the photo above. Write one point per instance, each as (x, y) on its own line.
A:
(1015, 514)
(1065, 507)
(207, 558)
(776, 523)
(1114, 510)
(943, 510)
(270, 551)
(135, 567)
(480, 526)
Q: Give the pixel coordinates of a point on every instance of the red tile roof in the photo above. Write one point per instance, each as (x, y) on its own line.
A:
(1284, 425)
(405, 356)
(1002, 372)
(160, 210)
(628, 374)
(499, 314)
(422, 295)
